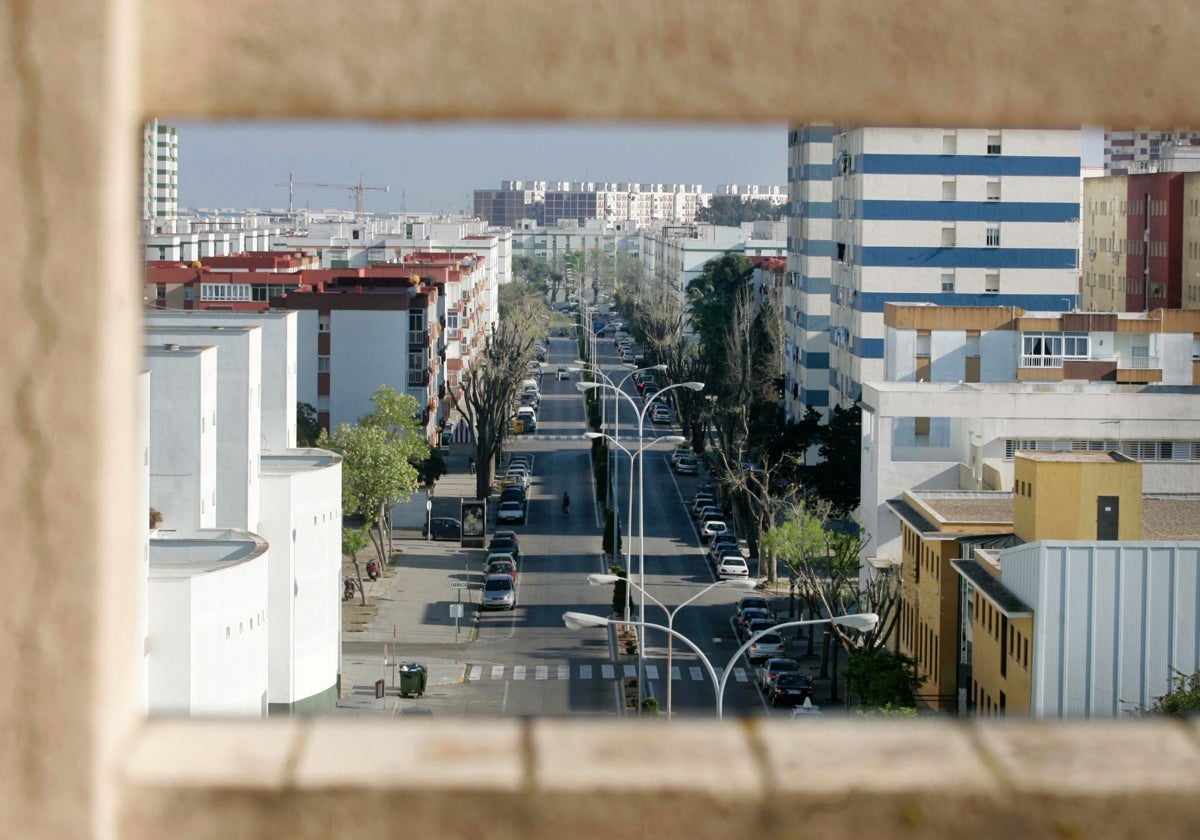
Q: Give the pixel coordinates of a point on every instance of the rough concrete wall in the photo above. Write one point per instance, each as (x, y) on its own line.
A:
(80, 77)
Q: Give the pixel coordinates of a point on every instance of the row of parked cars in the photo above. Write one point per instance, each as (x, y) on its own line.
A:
(500, 571)
(514, 490)
(778, 677)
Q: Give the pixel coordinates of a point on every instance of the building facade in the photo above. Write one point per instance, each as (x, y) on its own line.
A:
(160, 173)
(949, 216)
(1127, 151)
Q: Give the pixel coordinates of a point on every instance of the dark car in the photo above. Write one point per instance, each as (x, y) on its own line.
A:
(790, 689)
(442, 528)
(504, 544)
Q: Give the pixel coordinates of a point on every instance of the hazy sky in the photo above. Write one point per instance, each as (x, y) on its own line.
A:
(437, 166)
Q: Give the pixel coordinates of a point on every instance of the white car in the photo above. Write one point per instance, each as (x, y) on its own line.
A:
(662, 414)
(765, 646)
(732, 566)
(686, 465)
(511, 512)
(711, 527)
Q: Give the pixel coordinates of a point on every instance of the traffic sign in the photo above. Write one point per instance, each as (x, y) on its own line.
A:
(456, 610)
(459, 584)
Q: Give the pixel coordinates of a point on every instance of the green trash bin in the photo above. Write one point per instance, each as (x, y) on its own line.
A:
(412, 679)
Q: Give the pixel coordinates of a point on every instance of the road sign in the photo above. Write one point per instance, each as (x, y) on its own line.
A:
(459, 584)
(456, 610)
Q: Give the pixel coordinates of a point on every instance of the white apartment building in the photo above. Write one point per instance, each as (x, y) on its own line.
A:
(778, 196)
(1141, 149)
(160, 173)
(287, 570)
(674, 255)
(948, 216)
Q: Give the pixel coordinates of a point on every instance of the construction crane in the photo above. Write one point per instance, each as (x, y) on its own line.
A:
(358, 189)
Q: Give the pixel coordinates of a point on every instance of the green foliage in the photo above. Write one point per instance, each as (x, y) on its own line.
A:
(431, 467)
(650, 705)
(731, 211)
(374, 471)
(354, 540)
(837, 478)
(620, 590)
(520, 300)
(611, 533)
(1183, 700)
(600, 466)
(883, 680)
(308, 430)
(889, 710)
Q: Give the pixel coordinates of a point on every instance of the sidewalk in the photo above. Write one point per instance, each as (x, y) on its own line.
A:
(408, 610)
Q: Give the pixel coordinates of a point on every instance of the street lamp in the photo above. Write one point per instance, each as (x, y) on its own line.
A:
(641, 416)
(600, 580)
(857, 621)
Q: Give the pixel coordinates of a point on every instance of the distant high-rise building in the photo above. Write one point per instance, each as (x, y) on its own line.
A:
(957, 217)
(549, 203)
(1131, 151)
(160, 171)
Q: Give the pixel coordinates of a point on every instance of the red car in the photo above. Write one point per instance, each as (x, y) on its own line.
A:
(501, 567)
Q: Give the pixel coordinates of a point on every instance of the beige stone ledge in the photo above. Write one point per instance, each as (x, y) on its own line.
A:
(552, 779)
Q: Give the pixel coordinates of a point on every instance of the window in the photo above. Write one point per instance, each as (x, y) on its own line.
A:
(948, 237)
(322, 364)
(993, 190)
(948, 190)
(993, 144)
(260, 292)
(416, 321)
(993, 237)
(948, 281)
(1075, 345)
(991, 282)
(950, 143)
(923, 339)
(322, 323)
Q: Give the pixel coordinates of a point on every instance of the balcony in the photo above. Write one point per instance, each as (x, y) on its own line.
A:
(417, 340)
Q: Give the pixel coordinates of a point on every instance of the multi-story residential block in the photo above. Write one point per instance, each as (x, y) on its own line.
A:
(949, 216)
(1126, 152)
(1141, 242)
(547, 203)
(160, 173)
(1073, 595)
(753, 192)
(674, 255)
(242, 620)
(966, 388)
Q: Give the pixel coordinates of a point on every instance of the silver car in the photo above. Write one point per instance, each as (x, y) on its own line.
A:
(499, 593)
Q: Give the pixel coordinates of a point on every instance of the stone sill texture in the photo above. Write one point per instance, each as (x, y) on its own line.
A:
(510, 778)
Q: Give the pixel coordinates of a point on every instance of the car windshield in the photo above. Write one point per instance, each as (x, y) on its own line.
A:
(498, 585)
(771, 639)
(781, 665)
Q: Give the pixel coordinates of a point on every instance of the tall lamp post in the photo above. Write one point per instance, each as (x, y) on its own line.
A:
(857, 621)
(600, 580)
(641, 416)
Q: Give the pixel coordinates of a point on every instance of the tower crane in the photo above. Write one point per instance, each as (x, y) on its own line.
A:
(358, 189)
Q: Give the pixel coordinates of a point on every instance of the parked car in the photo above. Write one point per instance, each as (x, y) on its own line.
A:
(686, 465)
(650, 389)
(501, 545)
(499, 593)
(701, 501)
(746, 617)
(722, 544)
(756, 625)
(770, 670)
(442, 528)
(791, 690)
(562, 373)
(500, 567)
(731, 566)
(711, 527)
(764, 647)
(662, 414)
(511, 512)
(748, 602)
(513, 493)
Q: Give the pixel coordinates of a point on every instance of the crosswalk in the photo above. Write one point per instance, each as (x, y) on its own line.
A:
(606, 671)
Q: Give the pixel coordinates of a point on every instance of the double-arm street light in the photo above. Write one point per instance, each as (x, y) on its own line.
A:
(857, 621)
(641, 416)
(600, 580)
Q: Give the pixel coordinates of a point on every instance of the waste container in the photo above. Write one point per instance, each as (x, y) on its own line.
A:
(412, 679)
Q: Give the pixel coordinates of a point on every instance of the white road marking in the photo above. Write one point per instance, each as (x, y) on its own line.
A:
(675, 675)
(651, 672)
(497, 672)
(541, 672)
(585, 672)
(696, 673)
(606, 671)
(739, 674)
(564, 672)
(518, 672)
(631, 670)
(476, 672)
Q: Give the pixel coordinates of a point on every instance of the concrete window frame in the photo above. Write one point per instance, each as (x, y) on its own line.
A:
(84, 76)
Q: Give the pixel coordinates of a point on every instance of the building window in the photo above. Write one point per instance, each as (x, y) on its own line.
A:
(416, 320)
(260, 292)
(993, 237)
(322, 323)
(161, 292)
(950, 144)
(948, 237)
(322, 364)
(948, 282)
(993, 190)
(993, 144)
(991, 282)
(948, 190)
(1075, 346)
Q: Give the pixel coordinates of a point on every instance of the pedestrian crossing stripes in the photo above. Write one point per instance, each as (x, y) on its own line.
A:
(607, 671)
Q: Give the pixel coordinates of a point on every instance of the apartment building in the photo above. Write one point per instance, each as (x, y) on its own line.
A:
(1141, 246)
(548, 203)
(1074, 595)
(160, 173)
(674, 255)
(244, 562)
(948, 216)
(1133, 150)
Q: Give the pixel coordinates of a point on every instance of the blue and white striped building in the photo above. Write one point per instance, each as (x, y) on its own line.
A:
(956, 217)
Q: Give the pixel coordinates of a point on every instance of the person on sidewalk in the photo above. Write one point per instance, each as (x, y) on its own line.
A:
(471, 464)
(566, 504)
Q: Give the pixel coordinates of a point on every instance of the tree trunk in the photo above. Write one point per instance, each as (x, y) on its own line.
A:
(825, 639)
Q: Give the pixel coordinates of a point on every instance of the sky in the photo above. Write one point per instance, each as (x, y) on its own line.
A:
(437, 167)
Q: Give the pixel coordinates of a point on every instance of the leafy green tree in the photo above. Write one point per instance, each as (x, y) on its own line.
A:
(308, 430)
(1183, 700)
(430, 468)
(620, 598)
(836, 478)
(355, 540)
(732, 211)
(883, 680)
